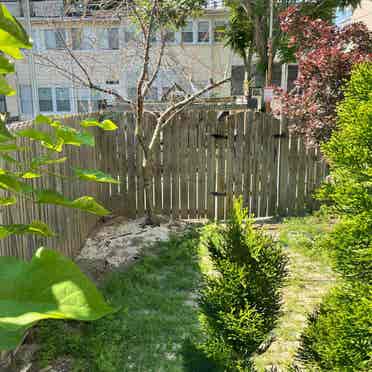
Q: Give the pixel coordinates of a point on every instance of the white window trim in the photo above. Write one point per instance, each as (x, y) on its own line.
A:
(193, 33)
(196, 31)
(54, 100)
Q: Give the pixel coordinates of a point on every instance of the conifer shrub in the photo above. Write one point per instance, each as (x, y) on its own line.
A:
(339, 335)
(241, 301)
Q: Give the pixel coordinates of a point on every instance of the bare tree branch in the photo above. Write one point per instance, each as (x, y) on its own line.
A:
(168, 114)
(159, 61)
(176, 108)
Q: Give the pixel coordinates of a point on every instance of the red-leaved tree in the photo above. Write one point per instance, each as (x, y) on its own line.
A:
(325, 55)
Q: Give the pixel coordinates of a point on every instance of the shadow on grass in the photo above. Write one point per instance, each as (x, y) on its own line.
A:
(195, 358)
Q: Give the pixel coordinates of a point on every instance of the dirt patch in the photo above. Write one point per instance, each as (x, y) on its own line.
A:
(120, 242)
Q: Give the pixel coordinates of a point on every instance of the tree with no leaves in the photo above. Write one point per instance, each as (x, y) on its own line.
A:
(150, 17)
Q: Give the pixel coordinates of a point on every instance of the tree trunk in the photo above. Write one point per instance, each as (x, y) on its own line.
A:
(147, 183)
(248, 71)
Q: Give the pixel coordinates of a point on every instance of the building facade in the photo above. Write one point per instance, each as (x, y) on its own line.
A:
(49, 80)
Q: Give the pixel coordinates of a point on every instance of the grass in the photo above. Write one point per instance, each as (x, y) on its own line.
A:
(158, 324)
(310, 278)
(156, 319)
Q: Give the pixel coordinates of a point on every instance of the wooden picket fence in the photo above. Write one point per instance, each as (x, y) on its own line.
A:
(202, 160)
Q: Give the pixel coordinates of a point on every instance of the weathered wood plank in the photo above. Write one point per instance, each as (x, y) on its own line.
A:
(211, 164)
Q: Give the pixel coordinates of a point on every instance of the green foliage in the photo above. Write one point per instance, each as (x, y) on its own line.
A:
(241, 303)
(350, 246)
(239, 35)
(36, 227)
(12, 38)
(12, 35)
(94, 175)
(84, 203)
(105, 125)
(349, 151)
(50, 286)
(339, 334)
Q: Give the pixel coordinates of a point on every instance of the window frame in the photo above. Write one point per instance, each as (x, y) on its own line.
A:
(52, 111)
(103, 34)
(54, 100)
(199, 32)
(69, 100)
(85, 33)
(214, 29)
(188, 32)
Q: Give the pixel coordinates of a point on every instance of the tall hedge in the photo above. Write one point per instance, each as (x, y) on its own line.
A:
(339, 335)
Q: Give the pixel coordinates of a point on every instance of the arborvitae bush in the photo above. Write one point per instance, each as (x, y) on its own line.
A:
(349, 150)
(350, 246)
(241, 301)
(339, 336)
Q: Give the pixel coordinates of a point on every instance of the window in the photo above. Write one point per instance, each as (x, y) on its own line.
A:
(132, 92)
(203, 32)
(63, 100)
(188, 33)
(83, 98)
(82, 38)
(45, 100)
(170, 36)
(219, 31)
(26, 99)
(55, 39)
(109, 38)
(129, 33)
(152, 94)
(2, 103)
(96, 100)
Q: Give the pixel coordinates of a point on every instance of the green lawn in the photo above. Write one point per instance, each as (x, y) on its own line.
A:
(159, 316)
(310, 278)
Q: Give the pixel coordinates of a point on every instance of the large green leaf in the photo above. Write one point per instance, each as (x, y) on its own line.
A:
(12, 35)
(6, 66)
(94, 175)
(10, 182)
(42, 119)
(5, 135)
(10, 147)
(50, 286)
(30, 175)
(84, 203)
(6, 201)
(36, 227)
(89, 204)
(45, 160)
(36, 135)
(107, 124)
(74, 137)
(45, 139)
(5, 88)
